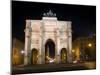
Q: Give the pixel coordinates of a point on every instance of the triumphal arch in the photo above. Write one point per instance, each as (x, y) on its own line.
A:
(48, 40)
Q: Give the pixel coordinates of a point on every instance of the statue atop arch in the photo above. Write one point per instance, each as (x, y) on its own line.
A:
(49, 14)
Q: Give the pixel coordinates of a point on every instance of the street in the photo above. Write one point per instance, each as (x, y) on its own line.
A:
(52, 67)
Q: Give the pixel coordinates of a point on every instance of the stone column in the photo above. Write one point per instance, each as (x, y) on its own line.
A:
(69, 49)
(43, 43)
(40, 50)
(58, 50)
(58, 47)
(27, 41)
(69, 43)
(43, 51)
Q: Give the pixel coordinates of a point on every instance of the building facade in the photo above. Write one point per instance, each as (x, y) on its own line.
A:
(85, 48)
(17, 57)
(47, 39)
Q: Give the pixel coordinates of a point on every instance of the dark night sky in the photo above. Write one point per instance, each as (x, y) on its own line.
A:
(83, 17)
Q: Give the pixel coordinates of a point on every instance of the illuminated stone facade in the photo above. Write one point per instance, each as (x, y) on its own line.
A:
(38, 32)
(17, 57)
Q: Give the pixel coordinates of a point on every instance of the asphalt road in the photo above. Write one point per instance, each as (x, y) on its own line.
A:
(52, 67)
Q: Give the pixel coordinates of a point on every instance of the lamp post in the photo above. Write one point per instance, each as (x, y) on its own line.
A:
(22, 56)
(73, 54)
(90, 50)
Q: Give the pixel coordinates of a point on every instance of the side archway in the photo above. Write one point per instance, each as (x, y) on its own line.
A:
(63, 55)
(34, 56)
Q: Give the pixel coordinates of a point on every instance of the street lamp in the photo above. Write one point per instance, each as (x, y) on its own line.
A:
(22, 51)
(89, 45)
(73, 50)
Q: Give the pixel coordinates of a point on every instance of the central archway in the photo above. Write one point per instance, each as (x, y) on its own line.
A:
(49, 50)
